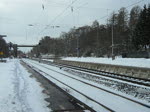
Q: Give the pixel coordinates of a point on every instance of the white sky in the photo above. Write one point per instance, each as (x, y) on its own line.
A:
(16, 15)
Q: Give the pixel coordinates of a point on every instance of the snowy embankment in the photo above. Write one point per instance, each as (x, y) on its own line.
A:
(136, 62)
(19, 92)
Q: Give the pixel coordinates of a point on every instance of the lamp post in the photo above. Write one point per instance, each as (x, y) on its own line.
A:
(112, 40)
(78, 48)
(29, 25)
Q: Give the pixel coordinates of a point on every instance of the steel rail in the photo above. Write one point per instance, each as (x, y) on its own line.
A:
(110, 110)
(139, 81)
(145, 105)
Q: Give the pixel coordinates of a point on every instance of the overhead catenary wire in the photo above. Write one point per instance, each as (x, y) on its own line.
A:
(70, 5)
(63, 11)
(58, 16)
(124, 7)
(109, 9)
(57, 3)
(134, 3)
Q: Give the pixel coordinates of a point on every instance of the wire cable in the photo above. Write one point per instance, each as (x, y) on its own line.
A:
(58, 16)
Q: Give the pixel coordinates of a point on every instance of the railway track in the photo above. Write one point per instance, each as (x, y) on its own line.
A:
(139, 81)
(106, 108)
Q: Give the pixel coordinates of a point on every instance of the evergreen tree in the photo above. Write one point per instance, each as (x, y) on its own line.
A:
(134, 17)
(148, 26)
(141, 32)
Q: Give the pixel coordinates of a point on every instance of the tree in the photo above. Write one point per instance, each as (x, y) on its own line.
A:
(122, 20)
(148, 26)
(95, 24)
(119, 24)
(97, 38)
(141, 32)
(134, 16)
(133, 20)
(123, 31)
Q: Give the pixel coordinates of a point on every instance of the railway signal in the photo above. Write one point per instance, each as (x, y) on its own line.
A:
(1, 56)
(10, 45)
(1, 53)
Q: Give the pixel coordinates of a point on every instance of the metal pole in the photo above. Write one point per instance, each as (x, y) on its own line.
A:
(97, 41)
(77, 46)
(113, 38)
(26, 32)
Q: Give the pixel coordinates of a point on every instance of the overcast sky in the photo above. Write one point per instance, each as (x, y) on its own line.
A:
(16, 15)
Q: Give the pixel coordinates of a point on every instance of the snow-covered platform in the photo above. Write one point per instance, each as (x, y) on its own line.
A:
(18, 91)
(139, 68)
(135, 62)
(24, 90)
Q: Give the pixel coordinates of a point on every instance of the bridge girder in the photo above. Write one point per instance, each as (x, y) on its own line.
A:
(15, 47)
(26, 45)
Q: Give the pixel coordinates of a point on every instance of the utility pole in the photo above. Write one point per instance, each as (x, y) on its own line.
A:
(78, 46)
(97, 40)
(15, 47)
(29, 25)
(78, 43)
(113, 37)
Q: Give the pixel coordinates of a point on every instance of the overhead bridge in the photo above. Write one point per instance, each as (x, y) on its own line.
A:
(26, 45)
(15, 47)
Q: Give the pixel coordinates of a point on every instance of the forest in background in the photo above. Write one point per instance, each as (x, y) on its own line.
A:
(131, 33)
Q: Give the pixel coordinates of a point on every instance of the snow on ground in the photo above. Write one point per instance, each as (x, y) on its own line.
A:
(19, 92)
(114, 102)
(48, 60)
(137, 62)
